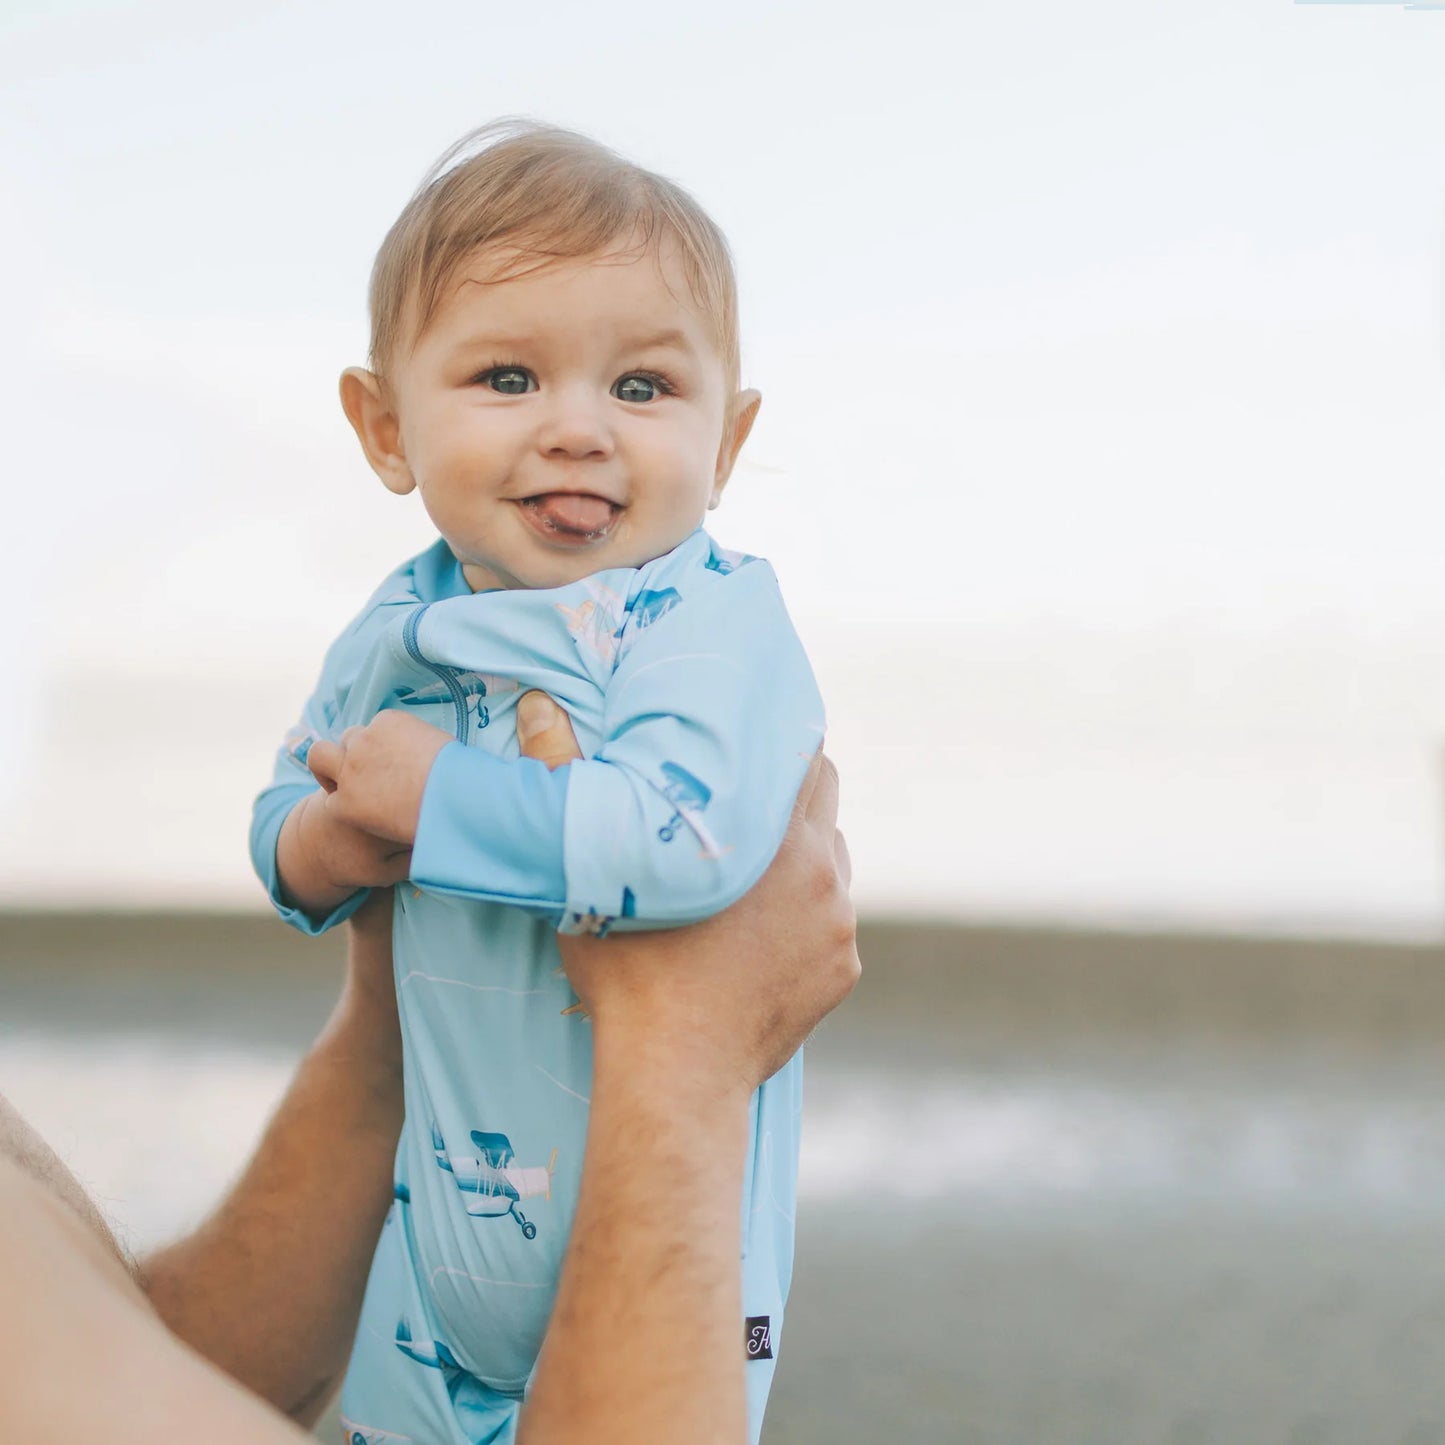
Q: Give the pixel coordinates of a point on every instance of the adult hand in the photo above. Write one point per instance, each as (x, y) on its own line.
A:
(644, 1341)
(751, 983)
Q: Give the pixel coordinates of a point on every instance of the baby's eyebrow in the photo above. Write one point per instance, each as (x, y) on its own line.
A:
(677, 340)
(487, 339)
(670, 337)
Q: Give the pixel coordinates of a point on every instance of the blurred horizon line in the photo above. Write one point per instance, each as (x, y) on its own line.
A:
(1197, 927)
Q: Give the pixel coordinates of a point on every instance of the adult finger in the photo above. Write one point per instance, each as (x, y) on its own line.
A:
(822, 808)
(842, 860)
(544, 731)
(810, 781)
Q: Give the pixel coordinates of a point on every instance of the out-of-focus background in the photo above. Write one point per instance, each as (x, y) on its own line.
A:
(1101, 459)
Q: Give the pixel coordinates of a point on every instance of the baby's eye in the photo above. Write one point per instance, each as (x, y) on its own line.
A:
(509, 380)
(637, 387)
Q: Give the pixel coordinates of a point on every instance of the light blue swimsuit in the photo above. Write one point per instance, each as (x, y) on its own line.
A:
(697, 715)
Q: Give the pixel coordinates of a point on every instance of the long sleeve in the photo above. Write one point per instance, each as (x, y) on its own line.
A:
(433, 572)
(492, 829)
(707, 729)
(291, 781)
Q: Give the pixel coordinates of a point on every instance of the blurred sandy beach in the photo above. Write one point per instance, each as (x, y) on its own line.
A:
(1057, 1186)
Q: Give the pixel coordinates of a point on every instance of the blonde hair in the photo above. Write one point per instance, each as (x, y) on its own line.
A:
(550, 194)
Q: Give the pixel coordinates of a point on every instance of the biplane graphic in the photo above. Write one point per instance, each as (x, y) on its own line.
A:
(725, 561)
(462, 689)
(652, 605)
(491, 1182)
(595, 623)
(689, 796)
(464, 1390)
(435, 1356)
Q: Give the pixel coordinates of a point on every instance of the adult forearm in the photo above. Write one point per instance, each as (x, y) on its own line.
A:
(645, 1342)
(270, 1287)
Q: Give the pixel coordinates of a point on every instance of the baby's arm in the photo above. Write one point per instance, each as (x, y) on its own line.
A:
(709, 725)
(316, 866)
(324, 863)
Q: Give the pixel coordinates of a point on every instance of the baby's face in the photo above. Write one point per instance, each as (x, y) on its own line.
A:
(564, 421)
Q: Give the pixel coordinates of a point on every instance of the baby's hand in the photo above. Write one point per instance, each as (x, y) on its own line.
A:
(375, 775)
(323, 860)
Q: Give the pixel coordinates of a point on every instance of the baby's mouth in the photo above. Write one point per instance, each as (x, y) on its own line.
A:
(571, 516)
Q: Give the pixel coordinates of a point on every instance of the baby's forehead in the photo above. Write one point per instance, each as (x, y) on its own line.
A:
(634, 292)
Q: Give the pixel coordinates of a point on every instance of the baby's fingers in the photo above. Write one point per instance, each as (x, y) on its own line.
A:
(325, 759)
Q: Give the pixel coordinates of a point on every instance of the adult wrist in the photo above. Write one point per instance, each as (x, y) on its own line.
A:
(674, 1064)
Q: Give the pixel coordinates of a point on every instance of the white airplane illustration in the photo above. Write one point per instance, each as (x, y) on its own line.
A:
(594, 622)
(491, 1183)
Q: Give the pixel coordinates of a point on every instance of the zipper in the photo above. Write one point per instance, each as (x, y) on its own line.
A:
(437, 669)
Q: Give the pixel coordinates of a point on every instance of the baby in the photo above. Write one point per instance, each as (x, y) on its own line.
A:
(554, 368)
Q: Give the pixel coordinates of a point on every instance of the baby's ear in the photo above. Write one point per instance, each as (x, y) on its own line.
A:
(741, 416)
(373, 418)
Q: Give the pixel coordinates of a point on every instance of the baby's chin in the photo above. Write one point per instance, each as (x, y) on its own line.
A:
(547, 568)
(484, 577)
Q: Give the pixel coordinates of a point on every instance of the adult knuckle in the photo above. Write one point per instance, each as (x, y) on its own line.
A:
(846, 972)
(822, 881)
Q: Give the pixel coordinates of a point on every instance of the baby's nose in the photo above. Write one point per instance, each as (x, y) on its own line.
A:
(576, 425)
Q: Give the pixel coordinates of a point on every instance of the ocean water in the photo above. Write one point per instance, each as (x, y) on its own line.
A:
(156, 1126)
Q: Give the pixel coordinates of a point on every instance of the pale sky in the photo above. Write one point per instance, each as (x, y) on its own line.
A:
(1101, 454)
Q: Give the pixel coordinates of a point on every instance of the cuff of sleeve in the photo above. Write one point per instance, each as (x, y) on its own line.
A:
(311, 926)
(492, 828)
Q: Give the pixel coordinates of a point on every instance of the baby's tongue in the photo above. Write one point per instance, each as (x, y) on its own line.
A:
(575, 513)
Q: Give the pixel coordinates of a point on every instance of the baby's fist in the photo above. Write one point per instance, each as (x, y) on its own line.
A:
(376, 774)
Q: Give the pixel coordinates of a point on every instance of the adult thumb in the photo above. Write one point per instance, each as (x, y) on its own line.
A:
(544, 731)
